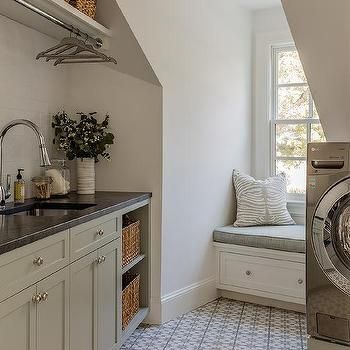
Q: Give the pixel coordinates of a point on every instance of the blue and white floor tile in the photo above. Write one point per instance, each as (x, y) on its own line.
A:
(225, 325)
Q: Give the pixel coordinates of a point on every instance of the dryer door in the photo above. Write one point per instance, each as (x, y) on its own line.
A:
(331, 234)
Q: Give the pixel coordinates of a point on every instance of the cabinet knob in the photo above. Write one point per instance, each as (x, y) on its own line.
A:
(101, 259)
(36, 298)
(38, 261)
(300, 281)
(100, 232)
(248, 273)
(44, 296)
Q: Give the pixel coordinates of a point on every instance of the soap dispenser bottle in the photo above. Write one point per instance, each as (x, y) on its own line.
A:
(19, 188)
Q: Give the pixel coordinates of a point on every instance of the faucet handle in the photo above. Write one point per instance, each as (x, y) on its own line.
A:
(8, 186)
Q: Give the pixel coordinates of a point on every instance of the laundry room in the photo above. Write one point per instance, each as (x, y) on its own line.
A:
(174, 175)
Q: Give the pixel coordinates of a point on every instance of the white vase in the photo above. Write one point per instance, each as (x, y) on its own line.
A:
(86, 175)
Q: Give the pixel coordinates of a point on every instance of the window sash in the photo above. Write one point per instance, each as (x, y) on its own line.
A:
(274, 120)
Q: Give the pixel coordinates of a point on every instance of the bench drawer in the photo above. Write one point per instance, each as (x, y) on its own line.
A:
(27, 265)
(87, 237)
(279, 277)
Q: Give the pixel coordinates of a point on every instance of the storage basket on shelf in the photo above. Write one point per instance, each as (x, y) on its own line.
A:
(87, 7)
(130, 240)
(130, 297)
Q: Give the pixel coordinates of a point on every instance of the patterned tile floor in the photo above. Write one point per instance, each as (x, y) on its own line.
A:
(225, 325)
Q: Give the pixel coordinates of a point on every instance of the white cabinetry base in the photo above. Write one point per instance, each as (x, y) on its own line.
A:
(259, 272)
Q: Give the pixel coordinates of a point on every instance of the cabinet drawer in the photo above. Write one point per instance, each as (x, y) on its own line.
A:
(27, 265)
(284, 278)
(91, 235)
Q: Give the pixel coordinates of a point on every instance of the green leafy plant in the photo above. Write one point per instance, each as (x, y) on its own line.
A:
(84, 138)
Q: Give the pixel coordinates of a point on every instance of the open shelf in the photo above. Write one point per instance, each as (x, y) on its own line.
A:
(64, 11)
(134, 323)
(133, 263)
(56, 8)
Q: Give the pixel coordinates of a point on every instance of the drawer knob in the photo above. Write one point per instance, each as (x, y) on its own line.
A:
(300, 281)
(38, 261)
(100, 232)
(248, 273)
(36, 298)
(44, 296)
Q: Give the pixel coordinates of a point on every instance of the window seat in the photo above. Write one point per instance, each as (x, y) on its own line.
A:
(289, 238)
(263, 264)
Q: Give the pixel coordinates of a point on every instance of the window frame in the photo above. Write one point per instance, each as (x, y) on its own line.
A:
(274, 121)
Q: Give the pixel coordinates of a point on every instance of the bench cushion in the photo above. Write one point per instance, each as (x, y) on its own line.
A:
(290, 238)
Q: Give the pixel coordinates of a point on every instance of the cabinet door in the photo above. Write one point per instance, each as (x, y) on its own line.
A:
(18, 321)
(107, 295)
(83, 305)
(53, 312)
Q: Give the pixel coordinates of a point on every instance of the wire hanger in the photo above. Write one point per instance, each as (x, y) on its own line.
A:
(74, 50)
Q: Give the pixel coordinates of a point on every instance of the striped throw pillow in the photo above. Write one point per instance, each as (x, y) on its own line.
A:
(261, 202)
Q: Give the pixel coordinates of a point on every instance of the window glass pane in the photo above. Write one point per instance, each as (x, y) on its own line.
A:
(295, 171)
(291, 140)
(290, 69)
(293, 102)
(317, 134)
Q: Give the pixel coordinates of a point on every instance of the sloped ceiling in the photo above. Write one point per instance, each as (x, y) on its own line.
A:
(321, 31)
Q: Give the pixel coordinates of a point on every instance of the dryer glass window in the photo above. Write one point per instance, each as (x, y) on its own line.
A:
(341, 233)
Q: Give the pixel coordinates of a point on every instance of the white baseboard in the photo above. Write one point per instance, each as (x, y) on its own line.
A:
(255, 299)
(188, 298)
(314, 344)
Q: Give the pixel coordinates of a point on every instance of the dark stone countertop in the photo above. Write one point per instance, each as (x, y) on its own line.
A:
(19, 230)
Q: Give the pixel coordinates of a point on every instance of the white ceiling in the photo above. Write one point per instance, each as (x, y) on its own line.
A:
(260, 4)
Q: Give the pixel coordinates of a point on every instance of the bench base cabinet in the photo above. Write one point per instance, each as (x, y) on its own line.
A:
(261, 272)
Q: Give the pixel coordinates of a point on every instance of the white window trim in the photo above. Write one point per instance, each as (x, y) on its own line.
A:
(272, 111)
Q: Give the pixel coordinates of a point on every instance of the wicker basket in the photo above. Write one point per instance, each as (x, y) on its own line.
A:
(130, 242)
(85, 6)
(130, 298)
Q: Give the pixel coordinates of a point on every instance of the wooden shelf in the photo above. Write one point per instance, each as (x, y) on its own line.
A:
(134, 323)
(133, 263)
(59, 9)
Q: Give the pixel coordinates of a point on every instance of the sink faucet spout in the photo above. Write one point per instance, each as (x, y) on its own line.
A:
(5, 190)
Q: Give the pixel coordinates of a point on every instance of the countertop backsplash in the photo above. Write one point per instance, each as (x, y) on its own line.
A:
(30, 90)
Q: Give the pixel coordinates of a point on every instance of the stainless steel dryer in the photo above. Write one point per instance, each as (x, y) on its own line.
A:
(328, 241)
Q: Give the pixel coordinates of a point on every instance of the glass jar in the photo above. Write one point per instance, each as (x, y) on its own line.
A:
(42, 187)
(60, 175)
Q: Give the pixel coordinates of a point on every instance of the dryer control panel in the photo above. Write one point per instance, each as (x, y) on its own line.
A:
(327, 158)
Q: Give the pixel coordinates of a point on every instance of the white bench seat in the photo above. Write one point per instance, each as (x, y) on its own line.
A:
(264, 262)
(290, 238)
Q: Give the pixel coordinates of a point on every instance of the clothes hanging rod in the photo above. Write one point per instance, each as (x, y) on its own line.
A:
(96, 42)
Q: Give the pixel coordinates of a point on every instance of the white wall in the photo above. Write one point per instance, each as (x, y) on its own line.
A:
(201, 53)
(270, 28)
(135, 109)
(28, 89)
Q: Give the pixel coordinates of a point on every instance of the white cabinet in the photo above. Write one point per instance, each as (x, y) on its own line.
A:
(18, 321)
(37, 317)
(94, 306)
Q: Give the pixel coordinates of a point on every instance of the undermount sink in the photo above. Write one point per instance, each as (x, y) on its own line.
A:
(46, 209)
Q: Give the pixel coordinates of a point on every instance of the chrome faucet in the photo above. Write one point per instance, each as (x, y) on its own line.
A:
(5, 191)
